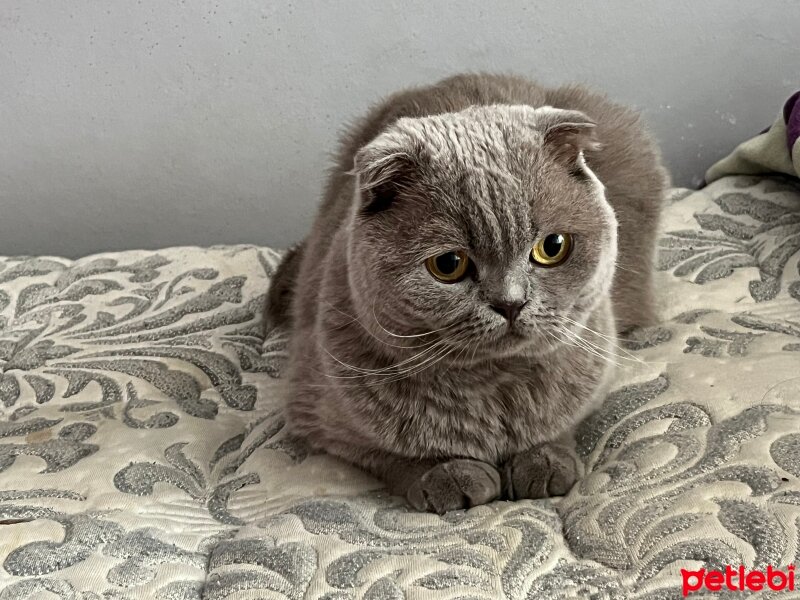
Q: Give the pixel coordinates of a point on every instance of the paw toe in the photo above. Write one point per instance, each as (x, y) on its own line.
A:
(454, 485)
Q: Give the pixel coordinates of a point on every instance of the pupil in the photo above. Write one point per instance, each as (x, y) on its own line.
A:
(552, 244)
(448, 263)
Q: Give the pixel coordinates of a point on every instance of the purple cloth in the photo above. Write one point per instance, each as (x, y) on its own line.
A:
(791, 114)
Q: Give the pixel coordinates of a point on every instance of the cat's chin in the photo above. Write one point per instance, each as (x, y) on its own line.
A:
(511, 342)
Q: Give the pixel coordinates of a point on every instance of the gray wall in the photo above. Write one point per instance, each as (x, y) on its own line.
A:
(162, 123)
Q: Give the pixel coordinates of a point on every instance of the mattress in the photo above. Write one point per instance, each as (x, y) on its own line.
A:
(143, 452)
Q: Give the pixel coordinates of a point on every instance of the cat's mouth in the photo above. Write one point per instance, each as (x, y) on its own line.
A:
(509, 338)
(482, 343)
(504, 342)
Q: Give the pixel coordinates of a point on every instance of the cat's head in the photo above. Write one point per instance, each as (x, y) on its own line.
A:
(485, 226)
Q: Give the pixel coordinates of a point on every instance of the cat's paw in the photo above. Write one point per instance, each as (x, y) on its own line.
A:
(458, 483)
(543, 471)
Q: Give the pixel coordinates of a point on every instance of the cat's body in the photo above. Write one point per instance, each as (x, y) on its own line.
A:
(434, 386)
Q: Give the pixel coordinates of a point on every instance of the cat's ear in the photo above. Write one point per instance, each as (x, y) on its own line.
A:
(383, 168)
(567, 134)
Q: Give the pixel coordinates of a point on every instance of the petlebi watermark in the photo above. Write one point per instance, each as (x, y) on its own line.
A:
(738, 579)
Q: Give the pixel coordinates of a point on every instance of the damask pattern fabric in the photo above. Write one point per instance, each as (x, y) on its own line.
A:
(143, 452)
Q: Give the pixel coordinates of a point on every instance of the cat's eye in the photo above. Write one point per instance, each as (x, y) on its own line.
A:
(552, 250)
(449, 267)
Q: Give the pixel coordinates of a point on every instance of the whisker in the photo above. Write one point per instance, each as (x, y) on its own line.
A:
(367, 372)
(430, 351)
(574, 344)
(463, 351)
(375, 316)
(367, 330)
(613, 339)
(591, 349)
(439, 355)
(634, 271)
(605, 351)
(418, 371)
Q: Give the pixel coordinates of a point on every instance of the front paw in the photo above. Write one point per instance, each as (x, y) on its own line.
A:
(543, 471)
(458, 483)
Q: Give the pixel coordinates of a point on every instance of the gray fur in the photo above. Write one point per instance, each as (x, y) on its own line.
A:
(422, 383)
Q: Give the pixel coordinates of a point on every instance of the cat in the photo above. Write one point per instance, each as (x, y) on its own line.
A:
(480, 244)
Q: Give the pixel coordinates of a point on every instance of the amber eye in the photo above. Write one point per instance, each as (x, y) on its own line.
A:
(449, 267)
(552, 250)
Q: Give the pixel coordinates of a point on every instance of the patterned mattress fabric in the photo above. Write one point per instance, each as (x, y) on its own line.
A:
(143, 453)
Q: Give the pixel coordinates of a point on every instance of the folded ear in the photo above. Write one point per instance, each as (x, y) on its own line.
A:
(383, 168)
(567, 133)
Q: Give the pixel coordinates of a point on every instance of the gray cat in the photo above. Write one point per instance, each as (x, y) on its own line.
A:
(455, 305)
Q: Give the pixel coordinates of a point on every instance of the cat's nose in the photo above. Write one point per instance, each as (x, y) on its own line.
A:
(510, 310)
